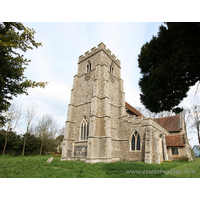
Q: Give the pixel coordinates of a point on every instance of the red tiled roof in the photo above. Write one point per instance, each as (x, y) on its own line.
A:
(171, 123)
(132, 109)
(175, 140)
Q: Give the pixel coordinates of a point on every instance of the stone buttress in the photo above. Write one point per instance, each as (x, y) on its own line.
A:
(98, 126)
(98, 97)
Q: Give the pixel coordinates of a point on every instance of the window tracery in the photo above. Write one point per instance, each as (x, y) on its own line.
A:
(84, 129)
(135, 142)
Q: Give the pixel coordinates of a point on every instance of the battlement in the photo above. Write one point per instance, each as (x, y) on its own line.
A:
(100, 47)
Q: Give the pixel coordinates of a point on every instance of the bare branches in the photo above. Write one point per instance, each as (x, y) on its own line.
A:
(29, 118)
(46, 129)
(148, 113)
(197, 90)
(13, 115)
(195, 118)
(42, 130)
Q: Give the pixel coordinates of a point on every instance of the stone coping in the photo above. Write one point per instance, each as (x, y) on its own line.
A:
(94, 50)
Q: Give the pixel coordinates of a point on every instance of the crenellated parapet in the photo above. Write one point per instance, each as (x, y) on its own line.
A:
(95, 50)
(145, 122)
(151, 122)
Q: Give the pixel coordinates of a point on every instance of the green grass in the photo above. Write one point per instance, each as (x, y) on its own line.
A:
(36, 167)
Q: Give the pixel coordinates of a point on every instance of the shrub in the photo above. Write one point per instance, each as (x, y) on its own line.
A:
(182, 158)
(192, 154)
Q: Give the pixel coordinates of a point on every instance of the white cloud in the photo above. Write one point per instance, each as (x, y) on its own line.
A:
(192, 97)
(53, 92)
(53, 99)
(63, 43)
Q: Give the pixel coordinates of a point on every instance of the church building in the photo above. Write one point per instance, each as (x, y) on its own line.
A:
(102, 127)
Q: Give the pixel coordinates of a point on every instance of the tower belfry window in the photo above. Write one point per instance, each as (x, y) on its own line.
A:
(84, 129)
(111, 69)
(89, 66)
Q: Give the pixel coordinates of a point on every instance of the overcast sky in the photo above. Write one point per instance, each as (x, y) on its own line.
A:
(62, 44)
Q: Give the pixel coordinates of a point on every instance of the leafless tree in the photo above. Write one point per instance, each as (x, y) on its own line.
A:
(195, 120)
(61, 131)
(14, 115)
(187, 118)
(196, 93)
(165, 114)
(148, 113)
(59, 138)
(29, 118)
(46, 129)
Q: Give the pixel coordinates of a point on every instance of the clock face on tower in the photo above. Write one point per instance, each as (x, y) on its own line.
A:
(87, 76)
(112, 78)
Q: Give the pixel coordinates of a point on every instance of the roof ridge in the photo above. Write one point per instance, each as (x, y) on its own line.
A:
(134, 110)
(170, 123)
(167, 116)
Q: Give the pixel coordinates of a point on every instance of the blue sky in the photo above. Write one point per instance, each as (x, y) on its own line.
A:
(63, 42)
(56, 61)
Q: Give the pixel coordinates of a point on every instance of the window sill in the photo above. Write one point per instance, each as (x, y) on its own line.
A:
(82, 141)
(135, 151)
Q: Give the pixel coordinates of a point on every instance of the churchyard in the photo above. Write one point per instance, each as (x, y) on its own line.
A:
(37, 167)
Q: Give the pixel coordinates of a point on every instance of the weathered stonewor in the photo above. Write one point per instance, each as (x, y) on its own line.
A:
(100, 127)
(94, 50)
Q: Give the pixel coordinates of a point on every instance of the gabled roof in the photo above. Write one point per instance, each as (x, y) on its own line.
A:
(171, 123)
(175, 140)
(132, 109)
(197, 146)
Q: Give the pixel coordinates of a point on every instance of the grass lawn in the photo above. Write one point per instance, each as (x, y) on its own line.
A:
(36, 167)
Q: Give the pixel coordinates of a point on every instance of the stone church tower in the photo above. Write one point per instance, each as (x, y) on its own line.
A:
(97, 102)
(101, 126)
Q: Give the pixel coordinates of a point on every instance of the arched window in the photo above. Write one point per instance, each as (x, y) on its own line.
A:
(135, 142)
(111, 69)
(89, 66)
(84, 129)
(138, 142)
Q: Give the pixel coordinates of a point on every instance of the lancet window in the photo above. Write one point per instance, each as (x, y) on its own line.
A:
(89, 66)
(84, 129)
(135, 142)
(111, 69)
